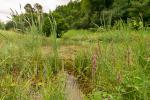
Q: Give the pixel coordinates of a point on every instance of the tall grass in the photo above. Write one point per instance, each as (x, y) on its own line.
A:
(25, 72)
(54, 41)
(113, 64)
(119, 68)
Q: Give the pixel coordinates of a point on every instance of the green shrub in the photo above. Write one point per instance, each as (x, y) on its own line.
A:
(135, 24)
(2, 25)
(9, 25)
(61, 25)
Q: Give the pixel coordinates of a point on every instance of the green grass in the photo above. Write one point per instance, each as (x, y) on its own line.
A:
(24, 71)
(110, 64)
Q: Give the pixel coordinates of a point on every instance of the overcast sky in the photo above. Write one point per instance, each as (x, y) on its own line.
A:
(5, 6)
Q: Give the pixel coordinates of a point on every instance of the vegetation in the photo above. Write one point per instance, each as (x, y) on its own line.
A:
(84, 14)
(111, 64)
(2, 25)
(85, 50)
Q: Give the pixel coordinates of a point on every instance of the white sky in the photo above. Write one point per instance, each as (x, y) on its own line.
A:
(5, 6)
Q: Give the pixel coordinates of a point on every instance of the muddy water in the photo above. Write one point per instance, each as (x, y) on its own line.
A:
(67, 54)
(72, 90)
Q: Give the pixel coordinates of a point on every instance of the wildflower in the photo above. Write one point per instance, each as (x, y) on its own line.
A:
(108, 97)
(128, 57)
(94, 64)
(103, 98)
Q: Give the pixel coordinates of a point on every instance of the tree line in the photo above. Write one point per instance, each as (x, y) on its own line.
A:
(82, 14)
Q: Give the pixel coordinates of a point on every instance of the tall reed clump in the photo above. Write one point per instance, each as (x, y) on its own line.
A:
(54, 42)
(28, 23)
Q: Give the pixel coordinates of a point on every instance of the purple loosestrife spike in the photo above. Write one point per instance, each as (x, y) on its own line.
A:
(108, 97)
(103, 98)
(94, 61)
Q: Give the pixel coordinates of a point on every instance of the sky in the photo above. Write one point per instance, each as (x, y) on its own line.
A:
(5, 6)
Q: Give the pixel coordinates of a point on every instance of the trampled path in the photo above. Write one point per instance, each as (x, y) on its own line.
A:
(72, 90)
(67, 53)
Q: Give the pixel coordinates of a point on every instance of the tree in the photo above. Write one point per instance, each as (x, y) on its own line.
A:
(2, 25)
(94, 8)
(61, 25)
(28, 8)
(86, 6)
(71, 13)
(9, 25)
(38, 8)
(95, 5)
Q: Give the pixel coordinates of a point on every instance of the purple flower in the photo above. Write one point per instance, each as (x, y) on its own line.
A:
(94, 63)
(108, 97)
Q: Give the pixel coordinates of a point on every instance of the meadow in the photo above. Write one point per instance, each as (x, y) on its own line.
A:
(86, 65)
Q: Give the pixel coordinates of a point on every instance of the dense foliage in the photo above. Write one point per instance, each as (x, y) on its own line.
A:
(83, 14)
(2, 25)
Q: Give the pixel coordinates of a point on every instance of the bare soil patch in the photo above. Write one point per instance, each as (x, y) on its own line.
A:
(65, 52)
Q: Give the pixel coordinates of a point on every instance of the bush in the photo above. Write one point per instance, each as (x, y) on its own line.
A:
(2, 25)
(61, 25)
(135, 24)
(46, 27)
(9, 25)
